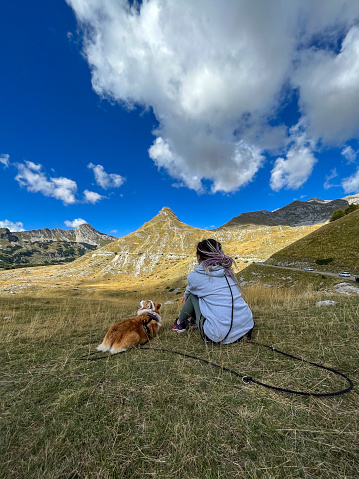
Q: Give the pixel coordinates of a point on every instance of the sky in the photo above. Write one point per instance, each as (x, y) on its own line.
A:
(113, 109)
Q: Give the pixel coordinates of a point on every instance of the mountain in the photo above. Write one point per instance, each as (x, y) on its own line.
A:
(84, 233)
(165, 246)
(44, 246)
(297, 213)
(160, 253)
(333, 247)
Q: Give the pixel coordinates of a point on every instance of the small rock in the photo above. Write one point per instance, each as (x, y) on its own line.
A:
(7, 317)
(327, 302)
(169, 302)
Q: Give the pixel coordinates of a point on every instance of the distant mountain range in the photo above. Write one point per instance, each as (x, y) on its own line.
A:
(84, 233)
(165, 242)
(159, 254)
(297, 213)
(45, 246)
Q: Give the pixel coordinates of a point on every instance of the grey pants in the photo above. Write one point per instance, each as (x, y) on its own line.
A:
(191, 309)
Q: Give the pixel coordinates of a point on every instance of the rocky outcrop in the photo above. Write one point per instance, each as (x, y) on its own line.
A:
(352, 199)
(6, 235)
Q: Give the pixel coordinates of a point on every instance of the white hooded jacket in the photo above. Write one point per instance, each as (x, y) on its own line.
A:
(215, 302)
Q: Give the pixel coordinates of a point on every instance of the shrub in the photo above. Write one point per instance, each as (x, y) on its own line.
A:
(324, 260)
(337, 214)
(351, 208)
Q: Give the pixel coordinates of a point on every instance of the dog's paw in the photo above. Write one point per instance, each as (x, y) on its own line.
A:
(117, 350)
(102, 347)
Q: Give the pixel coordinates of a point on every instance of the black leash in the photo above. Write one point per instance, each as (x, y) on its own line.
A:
(230, 328)
(248, 379)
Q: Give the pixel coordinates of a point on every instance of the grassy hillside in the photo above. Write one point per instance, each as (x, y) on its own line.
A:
(152, 414)
(334, 247)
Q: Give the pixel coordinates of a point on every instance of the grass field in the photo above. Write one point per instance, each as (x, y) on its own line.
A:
(154, 414)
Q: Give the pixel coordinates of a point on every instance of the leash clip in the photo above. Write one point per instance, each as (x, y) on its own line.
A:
(246, 379)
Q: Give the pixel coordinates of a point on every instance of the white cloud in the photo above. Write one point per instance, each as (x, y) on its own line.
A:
(293, 172)
(349, 154)
(114, 231)
(351, 184)
(4, 159)
(329, 90)
(75, 223)
(92, 197)
(17, 226)
(106, 180)
(333, 174)
(31, 177)
(214, 77)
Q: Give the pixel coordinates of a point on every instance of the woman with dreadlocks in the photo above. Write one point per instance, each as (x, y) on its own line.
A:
(212, 299)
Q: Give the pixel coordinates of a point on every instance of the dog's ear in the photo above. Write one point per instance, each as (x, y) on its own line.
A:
(158, 305)
(141, 302)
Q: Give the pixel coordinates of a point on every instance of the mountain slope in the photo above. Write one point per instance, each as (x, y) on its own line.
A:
(336, 244)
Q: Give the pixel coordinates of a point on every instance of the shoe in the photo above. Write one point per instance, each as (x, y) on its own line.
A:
(180, 327)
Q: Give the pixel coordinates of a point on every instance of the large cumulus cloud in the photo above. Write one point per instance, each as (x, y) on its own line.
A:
(215, 74)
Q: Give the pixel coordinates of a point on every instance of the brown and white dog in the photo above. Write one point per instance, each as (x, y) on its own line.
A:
(134, 331)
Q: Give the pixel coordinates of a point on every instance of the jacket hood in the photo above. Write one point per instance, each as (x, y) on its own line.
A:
(216, 270)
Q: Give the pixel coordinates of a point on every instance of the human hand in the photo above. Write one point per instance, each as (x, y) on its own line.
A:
(183, 299)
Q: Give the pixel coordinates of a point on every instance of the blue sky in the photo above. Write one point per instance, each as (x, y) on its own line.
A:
(110, 111)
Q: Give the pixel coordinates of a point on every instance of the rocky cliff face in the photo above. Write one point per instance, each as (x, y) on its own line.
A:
(7, 236)
(297, 213)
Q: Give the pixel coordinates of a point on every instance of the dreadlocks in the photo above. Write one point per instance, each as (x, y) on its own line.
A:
(212, 254)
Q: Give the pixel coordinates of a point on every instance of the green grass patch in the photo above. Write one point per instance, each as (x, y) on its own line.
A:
(150, 413)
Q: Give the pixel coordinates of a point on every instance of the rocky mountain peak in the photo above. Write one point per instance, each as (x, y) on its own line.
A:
(85, 227)
(86, 233)
(167, 213)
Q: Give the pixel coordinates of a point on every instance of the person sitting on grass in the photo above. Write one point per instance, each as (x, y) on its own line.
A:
(212, 299)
